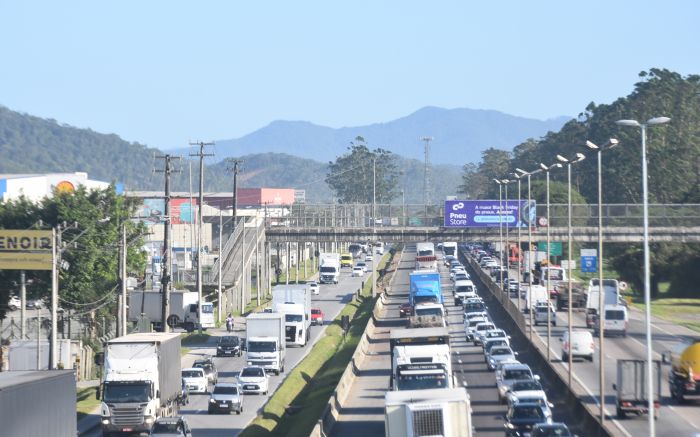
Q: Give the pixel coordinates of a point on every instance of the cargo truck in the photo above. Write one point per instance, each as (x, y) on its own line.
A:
(329, 268)
(37, 403)
(265, 341)
(427, 262)
(141, 382)
(611, 288)
(421, 367)
(294, 301)
(684, 376)
(425, 287)
(147, 305)
(416, 337)
(428, 315)
(437, 412)
(631, 394)
(425, 249)
(450, 248)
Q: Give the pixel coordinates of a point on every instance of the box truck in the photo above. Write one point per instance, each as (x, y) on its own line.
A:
(141, 381)
(294, 301)
(631, 394)
(38, 403)
(425, 287)
(147, 305)
(265, 345)
(421, 367)
(436, 412)
(329, 268)
(611, 288)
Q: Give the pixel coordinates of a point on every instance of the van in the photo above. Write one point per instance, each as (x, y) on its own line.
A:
(616, 321)
(541, 316)
(581, 345)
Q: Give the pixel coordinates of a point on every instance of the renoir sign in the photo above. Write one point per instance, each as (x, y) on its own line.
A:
(25, 250)
(488, 213)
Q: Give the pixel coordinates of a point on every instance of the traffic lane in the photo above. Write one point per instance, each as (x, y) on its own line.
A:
(673, 418)
(331, 300)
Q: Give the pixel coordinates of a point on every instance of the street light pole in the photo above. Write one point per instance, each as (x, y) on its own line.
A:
(579, 157)
(601, 302)
(547, 169)
(500, 225)
(518, 176)
(507, 245)
(647, 274)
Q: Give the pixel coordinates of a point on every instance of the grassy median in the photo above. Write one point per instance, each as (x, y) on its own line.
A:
(86, 401)
(298, 403)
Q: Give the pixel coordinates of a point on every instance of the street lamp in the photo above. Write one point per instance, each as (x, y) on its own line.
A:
(647, 292)
(529, 245)
(569, 162)
(505, 183)
(500, 225)
(517, 176)
(612, 142)
(547, 169)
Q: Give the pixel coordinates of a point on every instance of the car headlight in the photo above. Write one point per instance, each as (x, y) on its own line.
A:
(149, 420)
(219, 348)
(105, 421)
(212, 400)
(250, 363)
(509, 425)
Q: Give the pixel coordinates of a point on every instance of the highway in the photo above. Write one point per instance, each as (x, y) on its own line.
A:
(331, 300)
(362, 413)
(674, 419)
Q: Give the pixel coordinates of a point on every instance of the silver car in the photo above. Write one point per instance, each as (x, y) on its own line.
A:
(171, 427)
(226, 397)
(497, 354)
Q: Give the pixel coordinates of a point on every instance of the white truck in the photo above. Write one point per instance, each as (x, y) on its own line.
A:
(611, 288)
(421, 367)
(535, 294)
(329, 268)
(425, 249)
(463, 290)
(265, 346)
(294, 301)
(141, 381)
(428, 315)
(415, 413)
(450, 248)
(147, 305)
(399, 338)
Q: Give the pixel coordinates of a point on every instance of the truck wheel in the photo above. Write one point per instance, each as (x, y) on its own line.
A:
(239, 411)
(620, 413)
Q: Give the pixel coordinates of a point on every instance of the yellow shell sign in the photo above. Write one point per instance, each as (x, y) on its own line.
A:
(65, 187)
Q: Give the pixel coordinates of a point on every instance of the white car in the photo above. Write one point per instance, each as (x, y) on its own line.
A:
(510, 373)
(14, 303)
(528, 390)
(581, 345)
(358, 271)
(363, 265)
(253, 379)
(470, 326)
(196, 380)
(313, 286)
(480, 331)
(540, 315)
(496, 334)
(369, 257)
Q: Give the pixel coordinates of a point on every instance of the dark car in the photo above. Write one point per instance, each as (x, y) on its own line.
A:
(522, 417)
(551, 430)
(209, 369)
(171, 427)
(405, 310)
(228, 346)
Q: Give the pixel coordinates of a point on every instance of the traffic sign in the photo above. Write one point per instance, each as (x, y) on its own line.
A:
(589, 264)
(554, 249)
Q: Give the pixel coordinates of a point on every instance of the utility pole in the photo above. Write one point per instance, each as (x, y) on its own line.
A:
(166, 261)
(426, 177)
(23, 304)
(221, 260)
(122, 275)
(236, 163)
(201, 156)
(55, 249)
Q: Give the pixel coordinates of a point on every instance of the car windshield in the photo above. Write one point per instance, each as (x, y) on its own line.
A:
(500, 351)
(315, 311)
(428, 312)
(553, 431)
(493, 343)
(474, 307)
(293, 318)
(252, 372)
(126, 393)
(166, 428)
(484, 327)
(229, 340)
(464, 289)
(328, 269)
(474, 322)
(614, 315)
(527, 412)
(225, 390)
(208, 308)
(192, 373)
(262, 346)
(205, 366)
(517, 374)
(495, 334)
(526, 385)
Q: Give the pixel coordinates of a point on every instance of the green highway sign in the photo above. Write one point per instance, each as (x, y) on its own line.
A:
(554, 250)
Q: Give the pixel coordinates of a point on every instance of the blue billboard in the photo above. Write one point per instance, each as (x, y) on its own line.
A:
(489, 213)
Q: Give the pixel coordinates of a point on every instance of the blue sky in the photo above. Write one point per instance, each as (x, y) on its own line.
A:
(166, 72)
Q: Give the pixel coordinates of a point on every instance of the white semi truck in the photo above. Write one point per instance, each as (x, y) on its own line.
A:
(329, 268)
(265, 345)
(294, 301)
(611, 288)
(147, 305)
(401, 338)
(141, 381)
(437, 412)
(421, 367)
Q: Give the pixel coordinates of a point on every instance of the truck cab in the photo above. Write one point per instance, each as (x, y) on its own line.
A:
(296, 325)
(421, 367)
(265, 341)
(428, 315)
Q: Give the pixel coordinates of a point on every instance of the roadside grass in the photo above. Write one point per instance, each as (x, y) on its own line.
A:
(680, 311)
(192, 339)
(86, 401)
(297, 404)
(310, 271)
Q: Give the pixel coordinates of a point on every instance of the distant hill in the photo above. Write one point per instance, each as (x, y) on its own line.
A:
(30, 144)
(460, 132)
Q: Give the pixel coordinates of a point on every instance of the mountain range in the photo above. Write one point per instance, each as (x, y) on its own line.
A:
(459, 132)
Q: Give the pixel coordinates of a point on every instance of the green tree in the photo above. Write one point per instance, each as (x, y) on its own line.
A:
(351, 175)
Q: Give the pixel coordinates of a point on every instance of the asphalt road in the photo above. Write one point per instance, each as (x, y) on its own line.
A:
(674, 419)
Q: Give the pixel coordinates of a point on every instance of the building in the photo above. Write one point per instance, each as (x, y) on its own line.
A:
(37, 186)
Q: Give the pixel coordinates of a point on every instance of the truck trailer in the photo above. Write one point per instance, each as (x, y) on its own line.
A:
(141, 382)
(265, 341)
(631, 393)
(38, 403)
(183, 309)
(436, 412)
(425, 287)
(294, 301)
